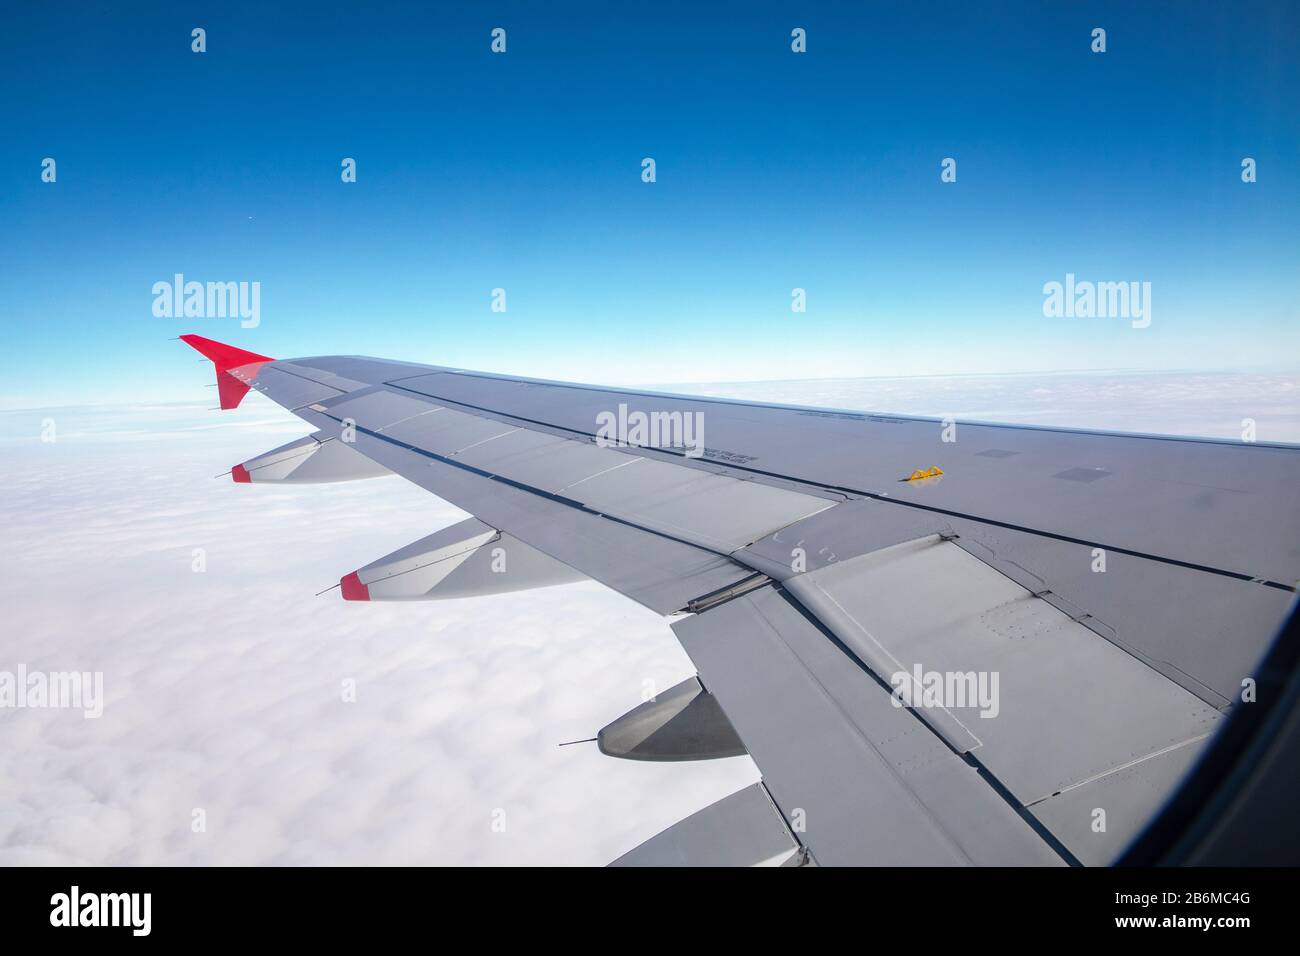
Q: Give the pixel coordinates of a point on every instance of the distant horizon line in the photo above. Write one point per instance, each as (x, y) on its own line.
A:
(1274, 370)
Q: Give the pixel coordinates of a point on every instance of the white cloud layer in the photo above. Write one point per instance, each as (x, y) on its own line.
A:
(1203, 404)
(224, 688)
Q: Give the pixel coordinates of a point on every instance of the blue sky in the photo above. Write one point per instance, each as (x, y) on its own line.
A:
(523, 171)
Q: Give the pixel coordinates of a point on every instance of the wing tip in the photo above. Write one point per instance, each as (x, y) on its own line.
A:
(353, 589)
(223, 357)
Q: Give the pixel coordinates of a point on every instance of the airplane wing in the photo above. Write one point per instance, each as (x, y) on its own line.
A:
(941, 642)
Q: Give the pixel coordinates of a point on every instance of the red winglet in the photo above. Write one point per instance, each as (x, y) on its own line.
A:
(353, 589)
(230, 390)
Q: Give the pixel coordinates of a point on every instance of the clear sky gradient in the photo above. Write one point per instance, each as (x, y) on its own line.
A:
(523, 171)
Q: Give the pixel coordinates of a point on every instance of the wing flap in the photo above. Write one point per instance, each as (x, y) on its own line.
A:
(1128, 797)
(859, 780)
(1045, 704)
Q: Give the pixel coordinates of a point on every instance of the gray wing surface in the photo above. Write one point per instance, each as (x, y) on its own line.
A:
(1085, 606)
